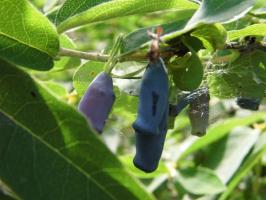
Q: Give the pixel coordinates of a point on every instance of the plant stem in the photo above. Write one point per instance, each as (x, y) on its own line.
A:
(140, 57)
(84, 55)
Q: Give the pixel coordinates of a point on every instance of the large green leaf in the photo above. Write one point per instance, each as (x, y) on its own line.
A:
(48, 151)
(199, 181)
(257, 153)
(27, 37)
(214, 11)
(218, 131)
(230, 80)
(74, 7)
(255, 29)
(226, 155)
(119, 8)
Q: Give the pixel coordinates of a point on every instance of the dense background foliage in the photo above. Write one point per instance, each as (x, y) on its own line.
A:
(47, 149)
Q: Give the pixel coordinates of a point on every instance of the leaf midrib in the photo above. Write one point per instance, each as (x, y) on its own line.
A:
(28, 45)
(80, 170)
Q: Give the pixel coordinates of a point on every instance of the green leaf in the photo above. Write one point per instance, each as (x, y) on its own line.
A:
(27, 37)
(66, 62)
(220, 130)
(127, 161)
(74, 7)
(140, 38)
(85, 75)
(230, 80)
(121, 8)
(190, 77)
(48, 151)
(211, 12)
(38, 3)
(255, 30)
(199, 181)
(5, 197)
(226, 155)
(259, 4)
(257, 153)
(212, 36)
(125, 105)
(56, 89)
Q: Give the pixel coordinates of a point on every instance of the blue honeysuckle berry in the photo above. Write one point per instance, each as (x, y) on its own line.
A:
(248, 103)
(97, 102)
(149, 147)
(153, 98)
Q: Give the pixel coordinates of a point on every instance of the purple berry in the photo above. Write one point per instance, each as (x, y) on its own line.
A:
(98, 100)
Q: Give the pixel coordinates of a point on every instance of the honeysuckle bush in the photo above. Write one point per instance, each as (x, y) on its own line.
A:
(51, 50)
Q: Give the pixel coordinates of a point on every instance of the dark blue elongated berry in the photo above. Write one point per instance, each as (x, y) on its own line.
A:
(153, 99)
(199, 112)
(149, 147)
(98, 100)
(248, 103)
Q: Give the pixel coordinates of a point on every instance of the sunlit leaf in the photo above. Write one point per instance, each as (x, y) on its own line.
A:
(27, 37)
(121, 8)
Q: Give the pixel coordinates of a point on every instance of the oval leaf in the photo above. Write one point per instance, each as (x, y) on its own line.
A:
(27, 37)
(226, 161)
(121, 8)
(200, 181)
(220, 130)
(46, 144)
(74, 7)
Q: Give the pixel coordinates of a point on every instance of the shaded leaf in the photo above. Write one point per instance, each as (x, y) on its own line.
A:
(27, 37)
(220, 11)
(212, 36)
(46, 144)
(230, 80)
(199, 181)
(220, 130)
(257, 153)
(190, 77)
(211, 12)
(226, 155)
(121, 8)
